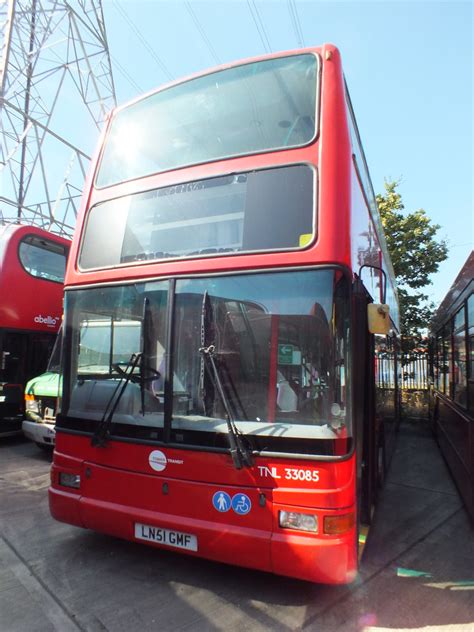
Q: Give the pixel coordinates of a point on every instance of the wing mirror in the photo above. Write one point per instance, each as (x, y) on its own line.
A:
(378, 314)
(378, 318)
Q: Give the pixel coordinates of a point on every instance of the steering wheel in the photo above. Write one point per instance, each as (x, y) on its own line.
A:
(137, 379)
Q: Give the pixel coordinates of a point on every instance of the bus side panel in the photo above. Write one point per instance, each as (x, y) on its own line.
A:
(334, 165)
(455, 434)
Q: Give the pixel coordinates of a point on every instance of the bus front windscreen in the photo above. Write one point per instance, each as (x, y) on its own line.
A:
(279, 346)
(250, 108)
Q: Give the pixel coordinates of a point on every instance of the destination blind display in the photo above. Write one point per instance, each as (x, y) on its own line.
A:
(245, 212)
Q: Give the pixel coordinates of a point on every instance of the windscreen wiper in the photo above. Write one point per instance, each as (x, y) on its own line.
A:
(241, 454)
(239, 450)
(102, 433)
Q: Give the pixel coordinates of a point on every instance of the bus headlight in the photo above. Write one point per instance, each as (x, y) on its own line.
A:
(31, 404)
(69, 480)
(298, 521)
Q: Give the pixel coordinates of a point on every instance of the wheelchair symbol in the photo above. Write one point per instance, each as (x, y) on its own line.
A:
(241, 504)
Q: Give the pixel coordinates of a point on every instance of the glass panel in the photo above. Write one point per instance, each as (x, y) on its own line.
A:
(270, 209)
(470, 324)
(42, 258)
(439, 364)
(242, 110)
(41, 346)
(279, 344)
(459, 358)
(447, 356)
(460, 320)
(470, 312)
(113, 332)
(55, 358)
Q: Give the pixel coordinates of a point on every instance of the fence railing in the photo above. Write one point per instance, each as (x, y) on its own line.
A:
(412, 370)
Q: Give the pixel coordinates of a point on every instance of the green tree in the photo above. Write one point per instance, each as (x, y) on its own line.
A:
(416, 254)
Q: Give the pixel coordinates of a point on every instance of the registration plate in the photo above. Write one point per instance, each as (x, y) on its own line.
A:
(176, 539)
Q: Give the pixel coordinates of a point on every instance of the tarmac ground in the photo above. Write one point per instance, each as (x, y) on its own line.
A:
(417, 572)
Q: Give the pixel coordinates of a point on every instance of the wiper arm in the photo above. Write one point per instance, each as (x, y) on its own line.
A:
(102, 433)
(239, 451)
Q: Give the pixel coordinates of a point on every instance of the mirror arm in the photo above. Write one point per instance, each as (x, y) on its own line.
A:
(384, 274)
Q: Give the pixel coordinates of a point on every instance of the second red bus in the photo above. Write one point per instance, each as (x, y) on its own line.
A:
(32, 267)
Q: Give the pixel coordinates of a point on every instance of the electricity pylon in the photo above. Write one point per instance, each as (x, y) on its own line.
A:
(56, 88)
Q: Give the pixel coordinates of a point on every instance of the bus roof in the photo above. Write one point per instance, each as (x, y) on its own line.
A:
(321, 50)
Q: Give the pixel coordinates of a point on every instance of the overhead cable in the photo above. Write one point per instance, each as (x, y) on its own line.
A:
(146, 45)
(127, 75)
(254, 12)
(296, 22)
(202, 32)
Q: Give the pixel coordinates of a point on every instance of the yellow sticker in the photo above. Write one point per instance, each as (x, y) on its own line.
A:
(305, 239)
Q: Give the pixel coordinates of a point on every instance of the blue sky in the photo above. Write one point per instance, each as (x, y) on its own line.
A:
(408, 65)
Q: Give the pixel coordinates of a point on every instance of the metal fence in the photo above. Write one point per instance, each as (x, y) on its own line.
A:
(412, 370)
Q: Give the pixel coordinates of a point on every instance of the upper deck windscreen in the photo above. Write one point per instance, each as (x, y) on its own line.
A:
(256, 107)
(43, 258)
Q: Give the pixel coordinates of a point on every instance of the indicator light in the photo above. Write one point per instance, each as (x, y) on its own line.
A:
(298, 521)
(69, 480)
(31, 404)
(336, 525)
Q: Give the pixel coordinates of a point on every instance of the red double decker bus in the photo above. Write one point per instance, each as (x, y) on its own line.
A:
(219, 392)
(32, 266)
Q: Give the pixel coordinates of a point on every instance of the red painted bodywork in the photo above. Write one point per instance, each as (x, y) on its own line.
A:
(118, 486)
(27, 301)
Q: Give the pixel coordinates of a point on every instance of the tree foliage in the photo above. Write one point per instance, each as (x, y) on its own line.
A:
(416, 255)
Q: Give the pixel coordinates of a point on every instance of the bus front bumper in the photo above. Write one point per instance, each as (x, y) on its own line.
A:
(314, 559)
(42, 433)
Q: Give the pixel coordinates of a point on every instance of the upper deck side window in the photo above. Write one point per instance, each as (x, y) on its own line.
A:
(470, 333)
(459, 358)
(361, 163)
(43, 258)
(470, 351)
(247, 109)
